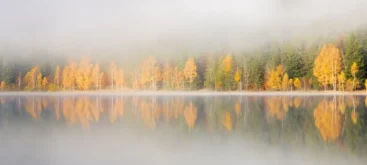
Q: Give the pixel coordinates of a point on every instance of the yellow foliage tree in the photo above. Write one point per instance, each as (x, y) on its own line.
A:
(39, 80)
(95, 76)
(341, 81)
(275, 78)
(190, 72)
(167, 77)
(69, 74)
(31, 78)
(297, 83)
(44, 83)
(113, 73)
(237, 78)
(285, 82)
(3, 85)
(328, 64)
(228, 62)
(354, 69)
(290, 83)
(149, 73)
(84, 74)
(178, 78)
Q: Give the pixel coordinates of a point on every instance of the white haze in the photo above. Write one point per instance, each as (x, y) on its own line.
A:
(115, 26)
(111, 145)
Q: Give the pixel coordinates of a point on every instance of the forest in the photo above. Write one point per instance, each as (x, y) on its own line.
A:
(331, 62)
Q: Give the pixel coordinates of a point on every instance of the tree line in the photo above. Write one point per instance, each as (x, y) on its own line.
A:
(329, 64)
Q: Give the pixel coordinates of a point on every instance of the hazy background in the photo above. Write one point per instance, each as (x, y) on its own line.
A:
(74, 27)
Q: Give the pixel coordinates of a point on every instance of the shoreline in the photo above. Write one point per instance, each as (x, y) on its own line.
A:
(181, 93)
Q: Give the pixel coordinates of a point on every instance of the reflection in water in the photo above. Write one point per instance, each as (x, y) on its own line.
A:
(335, 122)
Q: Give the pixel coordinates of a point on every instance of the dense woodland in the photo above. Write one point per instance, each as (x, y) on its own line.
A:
(322, 63)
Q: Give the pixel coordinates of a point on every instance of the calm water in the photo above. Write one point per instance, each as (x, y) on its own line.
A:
(37, 130)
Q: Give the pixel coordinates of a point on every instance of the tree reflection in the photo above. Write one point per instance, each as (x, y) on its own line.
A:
(328, 120)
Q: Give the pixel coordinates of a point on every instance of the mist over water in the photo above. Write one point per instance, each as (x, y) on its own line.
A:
(74, 27)
(182, 129)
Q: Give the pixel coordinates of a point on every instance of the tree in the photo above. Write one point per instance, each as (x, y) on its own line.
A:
(57, 76)
(31, 78)
(39, 81)
(84, 74)
(328, 65)
(285, 82)
(190, 71)
(237, 78)
(44, 83)
(341, 81)
(167, 76)
(353, 54)
(120, 78)
(95, 76)
(3, 85)
(293, 62)
(68, 75)
(354, 70)
(113, 73)
(290, 83)
(275, 78)
(297, 83)
(149, 73)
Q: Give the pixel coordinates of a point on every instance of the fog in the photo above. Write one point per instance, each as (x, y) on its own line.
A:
(75, 27)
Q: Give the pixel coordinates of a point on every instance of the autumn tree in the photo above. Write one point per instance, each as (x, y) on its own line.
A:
(285, 82)
(237, 78)
(341, 81)
(120, 78)
(190, 72)
(113, 73)
(178, 78)
(290, 84)
(275, 78)
(167, 76)
(57, 77)
(328, 64)
(3, 85)
(39, 81)
(354, 70)
(44, 83)
(95, 76)
(68, 75)
(31, 78)
(84, 74)
(149, 73)
(297, 83)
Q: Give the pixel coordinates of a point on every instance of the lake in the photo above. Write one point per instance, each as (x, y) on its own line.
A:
(137, 129)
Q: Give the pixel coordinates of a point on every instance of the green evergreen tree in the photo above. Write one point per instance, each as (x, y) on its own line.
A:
(352, 54)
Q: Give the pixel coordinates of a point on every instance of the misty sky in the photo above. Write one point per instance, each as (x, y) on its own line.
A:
(118, 25)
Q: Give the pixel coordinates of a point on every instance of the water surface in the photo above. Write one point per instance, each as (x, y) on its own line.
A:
(36, 130)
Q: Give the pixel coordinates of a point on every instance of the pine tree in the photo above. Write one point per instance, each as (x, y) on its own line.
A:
(353, 53)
